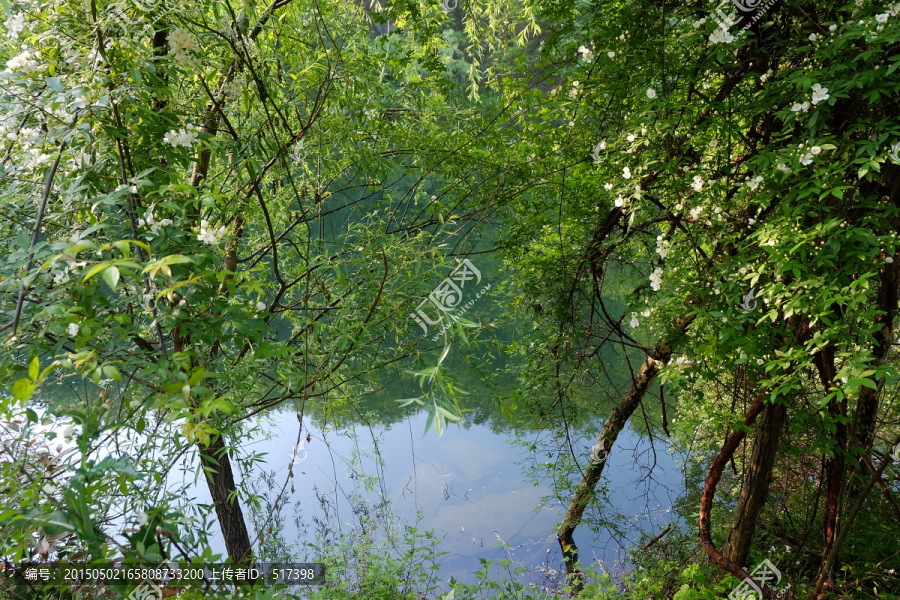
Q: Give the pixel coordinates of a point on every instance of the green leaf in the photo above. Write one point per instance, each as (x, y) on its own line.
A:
(22, 389)
(118, 465)
(34, 369)
(94, 270)
(112, 372)
(407, 401)
(111, 276)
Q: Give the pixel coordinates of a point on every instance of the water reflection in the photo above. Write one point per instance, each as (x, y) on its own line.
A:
(470, 487)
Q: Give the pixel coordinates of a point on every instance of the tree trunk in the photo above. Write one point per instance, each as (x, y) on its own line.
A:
(611, 429)
(220, 479)
(755, 488)
(709, 492)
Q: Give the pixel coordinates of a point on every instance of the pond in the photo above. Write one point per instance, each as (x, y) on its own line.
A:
(471, 486)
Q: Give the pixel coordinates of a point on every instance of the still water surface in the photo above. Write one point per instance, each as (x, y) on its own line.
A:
(470, 487)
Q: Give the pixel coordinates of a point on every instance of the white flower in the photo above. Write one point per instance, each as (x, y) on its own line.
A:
(611, 54)
(587, 55)
(209, 235)
(24, 62)
(73, 329)
(698, 183)
(721, 36)
(819, 93)
(805, 106)
(61, 277)
(630, 137)
(806, 159)
(797, 107)
(882, 18)
(620, 202)
(575, 89)
(695, 212)
(182, 137)
(754, 183)
(662, 247)
(260, 306)
(751, 221)
(595, 153)
(783, 168)
(180, 44)
(68, 432)
(14, 26)
(135, 404)
(815, 150)
(141, 518)
(656, 279)
(698, 24)
(299, 453)
(651, 93)
(832, 27)
(634, 320)
(626, 173)
(813, 37)
(607, 186)
(889, 260)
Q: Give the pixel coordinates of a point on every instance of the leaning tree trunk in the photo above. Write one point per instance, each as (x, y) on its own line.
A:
(611, 429)
(756, 484)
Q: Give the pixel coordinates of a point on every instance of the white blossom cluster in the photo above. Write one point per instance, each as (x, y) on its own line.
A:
(587, 55)
(656, 279)
(183, 137)
(721, 36)
(753, 184)
(150, 221)
(663, 247)
(819, 94)
(209, 235)
(14, 26)
(25, 62)
(181, 44)
(808, 157)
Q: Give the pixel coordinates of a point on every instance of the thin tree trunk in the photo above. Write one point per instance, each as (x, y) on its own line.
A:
(220, 479)
(756, 484)
(835, 468)
(611, 429)
(709, 492)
